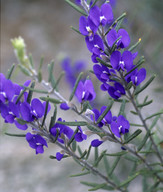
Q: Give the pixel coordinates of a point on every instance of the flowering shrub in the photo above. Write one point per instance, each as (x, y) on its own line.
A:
(118, 74)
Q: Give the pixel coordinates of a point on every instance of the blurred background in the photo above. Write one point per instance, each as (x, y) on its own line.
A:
(45, 26)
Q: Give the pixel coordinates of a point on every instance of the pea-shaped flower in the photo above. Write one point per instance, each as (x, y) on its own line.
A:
(85, 91)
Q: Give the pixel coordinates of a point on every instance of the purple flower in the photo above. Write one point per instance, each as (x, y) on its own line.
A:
(64, 130)
(124, 41)
(96, 143)
(136, 76)
(96, 45)
(71, 71)
(103, 73)
(64, 106)
(106, 120)
(124, 61)
(119, 126)
(59, 156)
(116, 91)
(103, 16)
(36, 142)
(87, 27)
(80, 136)
(85, 91)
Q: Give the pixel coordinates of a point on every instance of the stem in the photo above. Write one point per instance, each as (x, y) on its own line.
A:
(141, 118)
(84, 163)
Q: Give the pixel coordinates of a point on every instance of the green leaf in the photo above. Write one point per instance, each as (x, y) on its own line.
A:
(20, 95)
(40, 69)
(31, 61)
(130, 178)
(15, 135)
(45, 114)
(145, 85)
(106, 164)
(135, 45)
(99, 158)
(98, 186)
(10, 71)
(53, 118)
(122, 108)
(30, 94)
(83, 154)
(145, 103)
(96, 155)
(103, 62)
(114, 46)
(131, 137)
(25, 70)
(80, 151)
(58, 80)
(131, 158)
(155, 114)
(35, 90)
(75, 86)
(80, 174)
(76, 123)
(88, 153)
(21, 121)
(136, 125)
(73, 136)
(77, 8)
(76, 30)
(93, 128)
(56, 137)
(105, 112)
(51, 100)
(114, 165)
(133, 112)
(142, 144)
(74, 145)
(115, 22)
(94, 3)
(145, 184)
(54, 157)
(117, 154)
(137, 66)
(50, 70)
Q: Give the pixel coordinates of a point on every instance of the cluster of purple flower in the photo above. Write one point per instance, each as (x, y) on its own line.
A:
(22, 114)
(100, 41)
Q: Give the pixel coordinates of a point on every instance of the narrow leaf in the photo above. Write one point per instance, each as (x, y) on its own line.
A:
(31, 60)
(21, 121)
(30, 94)
(50, 70)
(59, 79)
(74, 145)
(142, 144)
(72, 138)
(145, 85)
(130, 178)
(45, 114)
(15, 135)
(25, 70)
(93, 129)
(117, 154)
(76, 123)
(76, 85)
(103, 62)
(155, 114)
(10, 71)
(131, 137)
(20, 95)
(88, 153)
(76, 30)
(51, 100)
(105, 112)
(99, 158)
(115, 22)
(35, 90)
(114, 165)
(98, 186)
(77, 8)
(137, 66)
(53, 118)
(80, 174)
(145, 103)
(40, 69)
(135, 45)
(122, 108)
